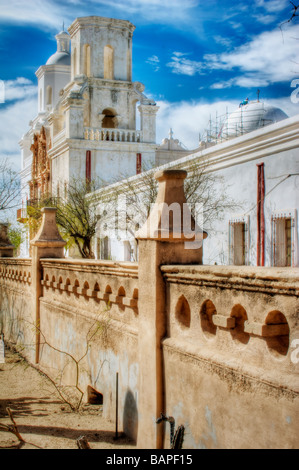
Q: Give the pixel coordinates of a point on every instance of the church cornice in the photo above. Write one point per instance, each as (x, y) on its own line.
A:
(52, 68)
(99, 22)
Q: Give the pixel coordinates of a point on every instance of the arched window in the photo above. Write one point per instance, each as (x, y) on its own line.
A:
(105, 254)
(109, 62)
(86, 57)
(49, 96)
(110, 119)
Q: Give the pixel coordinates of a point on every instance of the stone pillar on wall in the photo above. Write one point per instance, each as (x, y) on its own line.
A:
(74, 116)
(6, 247)
(46, 244)
(148, 122)
(162, 240)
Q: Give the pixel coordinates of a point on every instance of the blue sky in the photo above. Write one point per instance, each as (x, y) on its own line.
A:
(195, 58)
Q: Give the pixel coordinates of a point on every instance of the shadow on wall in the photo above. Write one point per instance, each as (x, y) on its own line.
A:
(130, 416)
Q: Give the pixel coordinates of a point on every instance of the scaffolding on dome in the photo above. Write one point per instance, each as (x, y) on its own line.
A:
(234, 124)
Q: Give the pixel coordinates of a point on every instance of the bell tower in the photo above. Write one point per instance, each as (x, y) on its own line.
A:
(102, 48)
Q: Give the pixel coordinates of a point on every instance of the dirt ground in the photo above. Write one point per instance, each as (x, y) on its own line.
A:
(43, 421)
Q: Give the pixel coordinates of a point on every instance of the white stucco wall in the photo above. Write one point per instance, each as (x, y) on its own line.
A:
(240, 184)
(234, 165)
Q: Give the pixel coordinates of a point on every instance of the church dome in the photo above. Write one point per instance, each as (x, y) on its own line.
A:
(59, 58)
(250, 116)
(62, 55)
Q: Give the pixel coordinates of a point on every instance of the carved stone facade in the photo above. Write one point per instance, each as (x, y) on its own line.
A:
(40, 171)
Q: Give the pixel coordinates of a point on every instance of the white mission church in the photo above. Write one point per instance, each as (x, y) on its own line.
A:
(86, 126)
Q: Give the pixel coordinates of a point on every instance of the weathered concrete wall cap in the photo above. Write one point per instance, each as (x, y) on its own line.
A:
(48, 232)
(170, 218)
(170, 175)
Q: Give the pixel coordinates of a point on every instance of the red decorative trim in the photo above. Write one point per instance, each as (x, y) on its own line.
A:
(88, 165)
(138, 163)
(260, 215)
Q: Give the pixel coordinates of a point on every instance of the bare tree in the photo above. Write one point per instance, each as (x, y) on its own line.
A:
(203, 189)
(9, 187)
(295, 13)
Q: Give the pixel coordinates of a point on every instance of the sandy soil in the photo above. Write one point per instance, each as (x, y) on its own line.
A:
(42, 419)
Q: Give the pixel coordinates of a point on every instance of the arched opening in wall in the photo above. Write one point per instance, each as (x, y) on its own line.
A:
(68, 286)
(86, 58)
(109, 62)
(76, 288)
(182, 312)
(206, 319)
(108, 290)
(110, 120)
(240, 316)
(60, 285)
(93, 396)
(135, 294)
(85, 289)
(49, 96)
(96, 287)
(121, 293)
(278, 340)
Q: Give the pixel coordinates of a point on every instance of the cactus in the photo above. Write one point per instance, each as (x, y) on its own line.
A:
(176, 437)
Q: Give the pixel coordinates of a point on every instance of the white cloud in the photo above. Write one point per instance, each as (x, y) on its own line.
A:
(223, 41)
(14, 123)
(272, 6)
(154, 61)
(46, 14)
(49, 14)
(243, 81)
(265, 19)
(182, 66)
(221, 85)
(270, 57)
(19, 88)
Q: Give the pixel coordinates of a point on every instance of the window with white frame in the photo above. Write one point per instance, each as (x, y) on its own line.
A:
(239, 241)
(127, 251)
(105, 248)
(284, 246)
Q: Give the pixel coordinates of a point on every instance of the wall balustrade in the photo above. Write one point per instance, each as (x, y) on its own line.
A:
(113, 135)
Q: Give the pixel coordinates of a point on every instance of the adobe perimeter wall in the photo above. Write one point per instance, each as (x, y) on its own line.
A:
(214, 347)
(228, 368)
(228, 372)
(88, 310)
